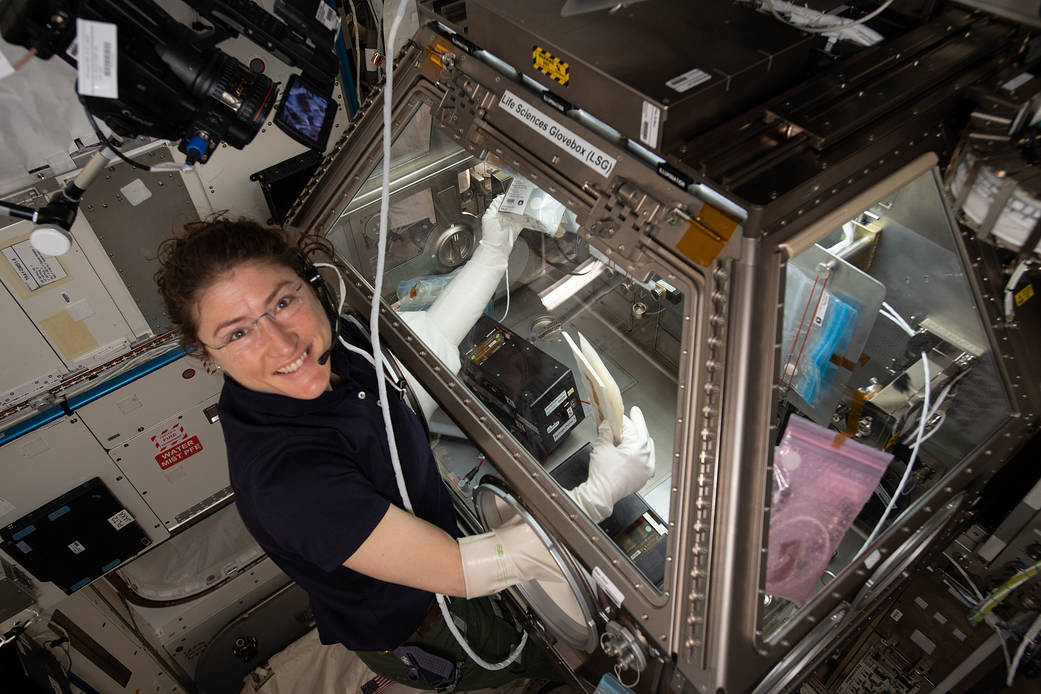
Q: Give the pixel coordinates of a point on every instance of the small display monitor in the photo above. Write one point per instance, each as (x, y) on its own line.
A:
(306, 114)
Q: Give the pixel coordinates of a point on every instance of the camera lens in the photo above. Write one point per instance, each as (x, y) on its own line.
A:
(247, 97)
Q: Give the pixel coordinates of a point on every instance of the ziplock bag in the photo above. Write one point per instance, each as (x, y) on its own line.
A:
(821, 481)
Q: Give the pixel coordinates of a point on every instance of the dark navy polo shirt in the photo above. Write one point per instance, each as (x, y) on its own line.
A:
(313, 478)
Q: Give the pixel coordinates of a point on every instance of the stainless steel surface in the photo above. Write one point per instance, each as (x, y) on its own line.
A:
(704, 63)
(131, 233)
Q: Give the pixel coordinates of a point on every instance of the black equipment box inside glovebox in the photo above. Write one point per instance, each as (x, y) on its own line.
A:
(531, 393)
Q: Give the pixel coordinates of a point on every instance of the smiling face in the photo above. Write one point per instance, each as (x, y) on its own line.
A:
(281, 357)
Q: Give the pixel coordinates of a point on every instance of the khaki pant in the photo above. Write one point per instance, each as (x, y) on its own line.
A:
(489, 635)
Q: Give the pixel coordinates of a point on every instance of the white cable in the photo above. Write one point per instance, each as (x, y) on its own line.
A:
(170, 166)
(936, 427)
(830, 29)
(358, 58)
(377, 353)
(911, 461)
(507, 311)
(965, 575)
(1028, 638)
(1004, 651)
(890, 313)
(932, 413)
(347, 345)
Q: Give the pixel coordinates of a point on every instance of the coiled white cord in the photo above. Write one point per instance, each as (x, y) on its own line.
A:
(377, 353)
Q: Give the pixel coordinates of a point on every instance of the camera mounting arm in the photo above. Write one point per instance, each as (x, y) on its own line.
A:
(55, 218)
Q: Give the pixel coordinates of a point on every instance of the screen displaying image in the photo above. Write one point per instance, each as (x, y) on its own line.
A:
(304, 111)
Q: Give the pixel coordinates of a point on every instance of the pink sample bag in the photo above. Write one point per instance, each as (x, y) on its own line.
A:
(821, 481)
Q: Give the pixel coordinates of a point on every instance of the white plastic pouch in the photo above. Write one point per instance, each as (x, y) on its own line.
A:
(534, 206)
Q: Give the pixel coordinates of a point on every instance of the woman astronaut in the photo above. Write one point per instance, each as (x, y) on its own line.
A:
(309, 459)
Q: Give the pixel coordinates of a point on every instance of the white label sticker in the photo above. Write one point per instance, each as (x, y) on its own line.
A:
(607, 586)
(596, 159)
(822, 309)
(77, 547)
(6, 68)
(896, 615)
(940, 618)
(1017, 81)
(326, 15)
(98, 60)
(688, 80)
(35, 268)
(121, 520)
(556, 402)
(923, 642)
(136, 192)
(517, 196)
(564, 428)
(653, 522)
(650, 120)
(959, 634)
(921, 602)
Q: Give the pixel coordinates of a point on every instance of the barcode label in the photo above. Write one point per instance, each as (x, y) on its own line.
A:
(98, 59)
(326, 15)
(121, 519)
(650, 120)
(688, 80)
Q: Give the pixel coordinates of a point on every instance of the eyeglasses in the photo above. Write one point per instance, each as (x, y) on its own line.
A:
(241, 338)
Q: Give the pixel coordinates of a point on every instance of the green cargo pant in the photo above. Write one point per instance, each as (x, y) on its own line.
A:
(489, 635)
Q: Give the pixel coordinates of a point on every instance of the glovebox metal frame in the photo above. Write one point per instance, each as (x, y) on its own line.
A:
(702, 633)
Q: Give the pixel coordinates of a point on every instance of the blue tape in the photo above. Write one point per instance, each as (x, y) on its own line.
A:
(111, 565)
(79, 584)
(121, 380)
(23, 532)
(55, 515)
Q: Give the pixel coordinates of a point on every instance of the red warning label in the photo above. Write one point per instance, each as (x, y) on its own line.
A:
(185, 449)
(168, 437)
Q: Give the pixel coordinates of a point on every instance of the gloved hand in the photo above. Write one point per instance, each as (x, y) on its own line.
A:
(499, 231)
(616, 472)
(461, 303)
(506, 556)
(444, 325)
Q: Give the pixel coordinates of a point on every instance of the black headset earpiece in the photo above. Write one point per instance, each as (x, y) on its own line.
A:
(317, 282)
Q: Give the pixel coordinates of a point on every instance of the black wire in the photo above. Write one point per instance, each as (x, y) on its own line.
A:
(107, 143)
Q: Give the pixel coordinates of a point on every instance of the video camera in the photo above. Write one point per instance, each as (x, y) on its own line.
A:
(173, 81)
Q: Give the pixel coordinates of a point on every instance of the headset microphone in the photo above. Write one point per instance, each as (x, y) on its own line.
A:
(324, 356)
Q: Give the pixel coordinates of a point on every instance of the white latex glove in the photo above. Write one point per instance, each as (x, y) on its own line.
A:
(506, 556)
(444, 325)
(435, 343)
(615, 472)
(462, 302)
